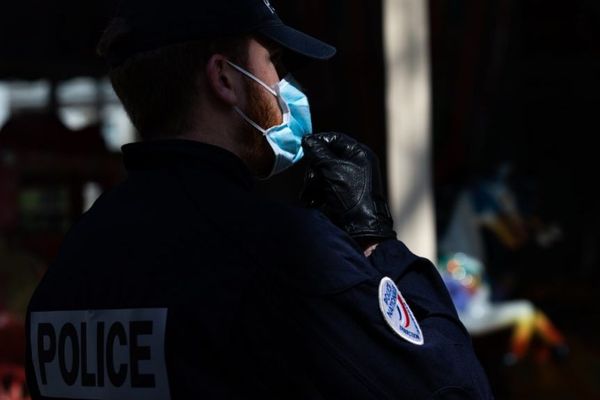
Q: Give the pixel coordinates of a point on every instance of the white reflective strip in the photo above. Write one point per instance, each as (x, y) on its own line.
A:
(100, 354)
(254, 78)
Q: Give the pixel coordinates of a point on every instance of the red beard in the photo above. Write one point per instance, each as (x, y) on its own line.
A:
(262, 108)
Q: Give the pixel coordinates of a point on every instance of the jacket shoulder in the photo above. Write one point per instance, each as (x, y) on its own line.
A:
(312, 254)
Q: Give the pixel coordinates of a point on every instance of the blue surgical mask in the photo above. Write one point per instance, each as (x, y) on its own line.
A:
(285, 139)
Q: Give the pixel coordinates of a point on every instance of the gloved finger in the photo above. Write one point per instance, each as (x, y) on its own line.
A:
(340, 145)
(316, 147)
(370, 155)
(344, 146)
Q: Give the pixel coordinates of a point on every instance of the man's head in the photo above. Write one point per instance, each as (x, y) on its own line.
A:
(161, 88)
(169, 66)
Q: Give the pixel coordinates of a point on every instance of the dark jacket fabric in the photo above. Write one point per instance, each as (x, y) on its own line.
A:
(182, 283)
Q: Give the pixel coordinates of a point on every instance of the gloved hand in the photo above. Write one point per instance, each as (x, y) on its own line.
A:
(343, 181)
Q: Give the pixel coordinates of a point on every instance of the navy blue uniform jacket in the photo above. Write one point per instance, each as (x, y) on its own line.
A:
(182, 283)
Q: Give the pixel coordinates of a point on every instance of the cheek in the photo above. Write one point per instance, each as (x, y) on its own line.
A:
(263, 107)
(269, 74)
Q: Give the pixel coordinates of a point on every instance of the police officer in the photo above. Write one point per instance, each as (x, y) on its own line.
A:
(182, 283)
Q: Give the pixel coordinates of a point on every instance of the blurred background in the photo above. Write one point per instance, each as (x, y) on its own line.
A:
(483, 114)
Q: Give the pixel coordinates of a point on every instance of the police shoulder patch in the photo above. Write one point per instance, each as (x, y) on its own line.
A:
(397, 313)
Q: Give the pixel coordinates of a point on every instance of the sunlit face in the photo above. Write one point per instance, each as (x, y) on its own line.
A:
(261, 106)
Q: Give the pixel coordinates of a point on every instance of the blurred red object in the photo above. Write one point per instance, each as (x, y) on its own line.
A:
(12, 382)
(12, 346)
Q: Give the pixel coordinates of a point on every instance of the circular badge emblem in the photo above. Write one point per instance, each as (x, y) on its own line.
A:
(397, 313)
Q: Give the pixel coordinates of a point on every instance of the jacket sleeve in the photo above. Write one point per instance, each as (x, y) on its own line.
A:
(354, 352)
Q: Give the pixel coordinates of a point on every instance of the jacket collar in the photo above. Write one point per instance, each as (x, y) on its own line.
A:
(190, 153)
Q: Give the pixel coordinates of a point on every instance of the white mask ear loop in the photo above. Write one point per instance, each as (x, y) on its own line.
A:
(248, 120)
(254, 78)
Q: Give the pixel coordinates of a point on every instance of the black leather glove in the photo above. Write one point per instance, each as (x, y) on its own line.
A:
(343, 181)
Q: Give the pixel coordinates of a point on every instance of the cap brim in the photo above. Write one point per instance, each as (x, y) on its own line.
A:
(298, 42)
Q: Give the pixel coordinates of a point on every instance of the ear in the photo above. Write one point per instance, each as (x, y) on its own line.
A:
(222, 79)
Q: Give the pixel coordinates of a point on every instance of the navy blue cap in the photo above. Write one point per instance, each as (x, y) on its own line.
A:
(152, 24)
